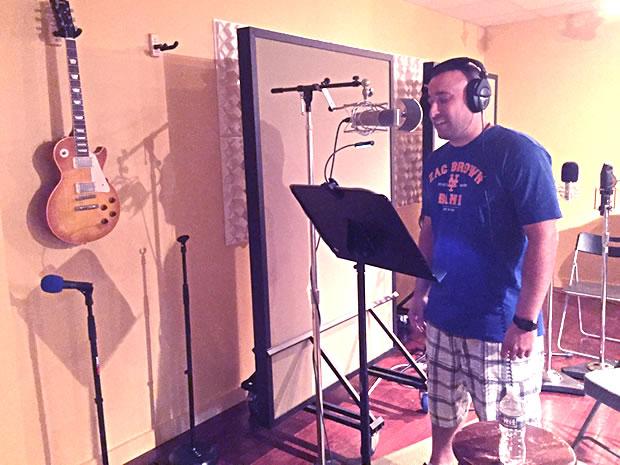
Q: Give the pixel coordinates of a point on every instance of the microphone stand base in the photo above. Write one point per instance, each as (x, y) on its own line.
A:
(193, 454)
(579, 371)
(554, 381)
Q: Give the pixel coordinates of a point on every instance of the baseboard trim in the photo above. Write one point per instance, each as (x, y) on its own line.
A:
(148, 440)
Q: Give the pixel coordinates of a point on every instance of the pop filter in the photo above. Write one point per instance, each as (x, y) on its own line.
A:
(412, 114)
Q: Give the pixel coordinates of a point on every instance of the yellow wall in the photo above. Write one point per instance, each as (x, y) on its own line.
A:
(157, 118)
(558, 82)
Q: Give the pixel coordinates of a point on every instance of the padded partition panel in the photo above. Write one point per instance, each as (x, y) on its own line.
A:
(276, 155)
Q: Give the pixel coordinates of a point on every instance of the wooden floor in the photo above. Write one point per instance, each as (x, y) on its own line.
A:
(293, 441)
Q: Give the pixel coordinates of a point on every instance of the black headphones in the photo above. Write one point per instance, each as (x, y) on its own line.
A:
(478, 90)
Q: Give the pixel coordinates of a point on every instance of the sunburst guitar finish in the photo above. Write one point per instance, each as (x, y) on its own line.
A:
(83, 206)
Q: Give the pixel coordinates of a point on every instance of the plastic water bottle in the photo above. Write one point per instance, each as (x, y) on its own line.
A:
(511, 417)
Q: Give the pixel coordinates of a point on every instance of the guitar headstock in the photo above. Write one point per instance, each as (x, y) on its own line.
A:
(64, 21)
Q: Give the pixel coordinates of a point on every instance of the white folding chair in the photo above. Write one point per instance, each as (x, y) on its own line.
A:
(588, 243)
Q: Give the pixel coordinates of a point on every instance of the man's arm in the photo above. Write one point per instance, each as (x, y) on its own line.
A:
(422, 286)
(537, 271)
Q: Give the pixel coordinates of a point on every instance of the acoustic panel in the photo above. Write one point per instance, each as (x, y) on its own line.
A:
(230, 134)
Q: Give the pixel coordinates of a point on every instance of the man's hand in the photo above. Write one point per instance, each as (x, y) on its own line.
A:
(416, 311)
(518, 343)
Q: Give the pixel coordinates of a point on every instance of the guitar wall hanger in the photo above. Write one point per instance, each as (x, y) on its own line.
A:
(156, 47)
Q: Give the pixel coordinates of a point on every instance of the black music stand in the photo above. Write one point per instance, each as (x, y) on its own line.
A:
(362, 226)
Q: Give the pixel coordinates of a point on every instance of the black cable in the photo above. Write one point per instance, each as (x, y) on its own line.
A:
(329, 179)
(331, 157)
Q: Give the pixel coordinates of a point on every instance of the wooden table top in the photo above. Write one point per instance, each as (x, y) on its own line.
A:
(478, 444)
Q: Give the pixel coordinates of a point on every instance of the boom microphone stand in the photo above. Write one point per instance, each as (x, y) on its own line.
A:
(192, 453)
(306, 92)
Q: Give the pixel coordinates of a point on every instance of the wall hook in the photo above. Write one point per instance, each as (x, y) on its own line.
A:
(156, 47)
(163, 47)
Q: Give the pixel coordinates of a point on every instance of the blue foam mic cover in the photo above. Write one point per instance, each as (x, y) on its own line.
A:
(52, 283)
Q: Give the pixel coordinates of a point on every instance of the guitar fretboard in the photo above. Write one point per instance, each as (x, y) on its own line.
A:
(77, 100)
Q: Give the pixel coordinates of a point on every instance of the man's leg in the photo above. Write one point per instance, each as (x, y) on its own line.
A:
(448, 397)
(442, 445)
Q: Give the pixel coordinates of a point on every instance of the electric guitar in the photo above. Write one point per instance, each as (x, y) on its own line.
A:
(83, 206)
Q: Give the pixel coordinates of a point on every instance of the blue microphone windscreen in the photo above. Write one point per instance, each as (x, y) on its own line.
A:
(52, 283)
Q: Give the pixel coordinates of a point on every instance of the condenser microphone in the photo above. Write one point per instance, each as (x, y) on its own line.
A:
(53, 283)
(407, 118)
(570, 175)
(608, 184)
(608, 180)
(380, 118)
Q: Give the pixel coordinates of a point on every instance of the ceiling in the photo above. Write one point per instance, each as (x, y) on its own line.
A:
(493, 12)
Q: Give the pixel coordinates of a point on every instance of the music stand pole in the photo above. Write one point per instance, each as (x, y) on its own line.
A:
(94, 356)
(366, 447)
(192, 453)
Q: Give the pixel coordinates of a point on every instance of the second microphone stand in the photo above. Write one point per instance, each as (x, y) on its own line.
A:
(94, 356)
(607, 187)
(192, 453)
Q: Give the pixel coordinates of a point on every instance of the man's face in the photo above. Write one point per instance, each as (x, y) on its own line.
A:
(448, 110)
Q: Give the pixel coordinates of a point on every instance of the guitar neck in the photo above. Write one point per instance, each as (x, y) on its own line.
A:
(77, 99)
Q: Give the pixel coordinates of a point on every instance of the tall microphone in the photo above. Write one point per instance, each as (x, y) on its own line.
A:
(53, 283)
(407, 119)
(608, 184)
(608, 180)
(570, 175)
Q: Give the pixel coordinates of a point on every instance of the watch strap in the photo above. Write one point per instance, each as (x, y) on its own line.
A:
(524, 324)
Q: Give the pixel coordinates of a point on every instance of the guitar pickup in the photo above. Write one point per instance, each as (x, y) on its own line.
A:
(82, 162)
(82, 187)
(92, 206)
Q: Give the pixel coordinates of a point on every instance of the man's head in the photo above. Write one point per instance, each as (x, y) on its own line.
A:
(458, 88)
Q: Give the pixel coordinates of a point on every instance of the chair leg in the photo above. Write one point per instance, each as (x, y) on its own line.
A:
(586, 423)
(586, 333)
(561, 332)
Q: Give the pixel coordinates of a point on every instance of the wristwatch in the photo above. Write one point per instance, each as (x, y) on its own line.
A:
(523, 324)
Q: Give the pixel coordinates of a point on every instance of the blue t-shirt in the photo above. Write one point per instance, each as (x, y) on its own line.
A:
(479, 197)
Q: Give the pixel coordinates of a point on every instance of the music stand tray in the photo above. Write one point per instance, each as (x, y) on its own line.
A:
(362, 226)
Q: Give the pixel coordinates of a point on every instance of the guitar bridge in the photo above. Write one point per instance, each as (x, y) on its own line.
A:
(85, 197)
(92, 206)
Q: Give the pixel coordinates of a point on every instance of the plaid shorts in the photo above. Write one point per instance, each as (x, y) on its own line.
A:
(461, 369)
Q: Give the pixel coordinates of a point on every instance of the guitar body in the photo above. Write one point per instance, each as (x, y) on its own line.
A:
(83, 206)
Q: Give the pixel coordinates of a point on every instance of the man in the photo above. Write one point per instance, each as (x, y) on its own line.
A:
(488, 223)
